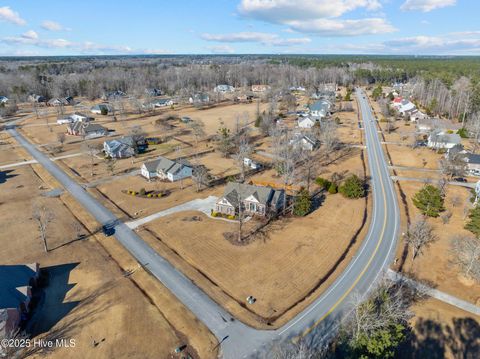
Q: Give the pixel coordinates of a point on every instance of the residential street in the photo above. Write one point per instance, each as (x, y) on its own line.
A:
(318, 319)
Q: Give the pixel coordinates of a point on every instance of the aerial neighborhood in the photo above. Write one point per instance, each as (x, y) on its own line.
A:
(240, 180)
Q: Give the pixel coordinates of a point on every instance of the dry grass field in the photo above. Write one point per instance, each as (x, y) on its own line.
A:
(442, 331)
(435, 265)
(85, 298)
(296, 259)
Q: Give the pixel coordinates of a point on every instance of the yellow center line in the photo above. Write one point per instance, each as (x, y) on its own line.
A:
(362, 273)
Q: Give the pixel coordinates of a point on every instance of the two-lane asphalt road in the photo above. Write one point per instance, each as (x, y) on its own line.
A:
(318, 319)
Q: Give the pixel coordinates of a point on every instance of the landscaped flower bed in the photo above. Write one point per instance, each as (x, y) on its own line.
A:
(146, 194)
(222, 215)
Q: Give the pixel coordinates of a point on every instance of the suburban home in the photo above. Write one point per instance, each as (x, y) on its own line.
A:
(200, 98)
(86, 129)
(16, 285)
(417, 115)
(473, 163)
(305, 142)
(76, 117)
(3, 99)
(161, 102)
(248, 162)
(324, 94)
(163, 168)
(321, 108)
(426, 125)
(153, 92)
(37, 98)
(102, 107)
(254, 200)
(65, 101)
(472, 160)
(260, 88)
(306, 122)
(120, 148)
(441, 140)
(405, 107)
(112, 95)
(297, 88)
(224, 88)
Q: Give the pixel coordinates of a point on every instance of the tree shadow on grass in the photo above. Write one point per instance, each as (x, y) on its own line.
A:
(6, 175)
(432, 339)
(57, 320)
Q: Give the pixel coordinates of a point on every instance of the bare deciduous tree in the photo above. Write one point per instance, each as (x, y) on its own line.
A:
(453, 165)
(198, 130)
(388, 304)
(91, 149)
(243, 151)
(200, 176)
(43, 216)
(419, 236)
(466, 253)
(328, 135)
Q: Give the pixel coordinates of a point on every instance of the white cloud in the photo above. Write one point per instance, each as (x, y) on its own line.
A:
(280, 11)
(8, 15)
(320, 17)
(155, 52)
(30, 34)
(259, 37)
(91, 47)
(53, 26)
(29, 39)
(330, 27)
(221, 49)
(426, 5)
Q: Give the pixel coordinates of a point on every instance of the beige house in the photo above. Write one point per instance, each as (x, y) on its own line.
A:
(254, 200)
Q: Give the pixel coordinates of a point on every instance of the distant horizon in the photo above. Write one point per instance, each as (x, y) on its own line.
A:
(372, 55)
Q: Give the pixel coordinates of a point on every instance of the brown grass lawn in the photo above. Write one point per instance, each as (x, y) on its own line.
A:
(442, 331)
(87, 280)
(292, 262)
(146, 206)
(435, 264)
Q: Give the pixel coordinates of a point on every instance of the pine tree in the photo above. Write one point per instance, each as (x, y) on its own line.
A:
(303, 203)
(429, 201)
(473, 224)
(353, 187)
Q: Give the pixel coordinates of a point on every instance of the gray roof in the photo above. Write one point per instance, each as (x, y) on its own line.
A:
(440, 137)
(264, 195)
(320, 105)
(166, 165)
(473, 158)
(12, 278)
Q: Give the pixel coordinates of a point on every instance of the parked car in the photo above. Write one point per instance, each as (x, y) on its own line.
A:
(460, 179)
(108, 229)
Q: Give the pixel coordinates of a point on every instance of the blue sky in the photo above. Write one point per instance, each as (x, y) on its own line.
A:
(59, 27)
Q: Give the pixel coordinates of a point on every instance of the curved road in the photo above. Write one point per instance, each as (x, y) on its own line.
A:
(317, 320)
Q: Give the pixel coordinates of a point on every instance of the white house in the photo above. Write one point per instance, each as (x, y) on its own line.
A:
(224, 88)
(105, 107)
(164, 168)
(305, 142)
(251, 163)
(306, 122)
(3, 99)
(441, 140)
(76, 117)
(321, 108)
(426, 125)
